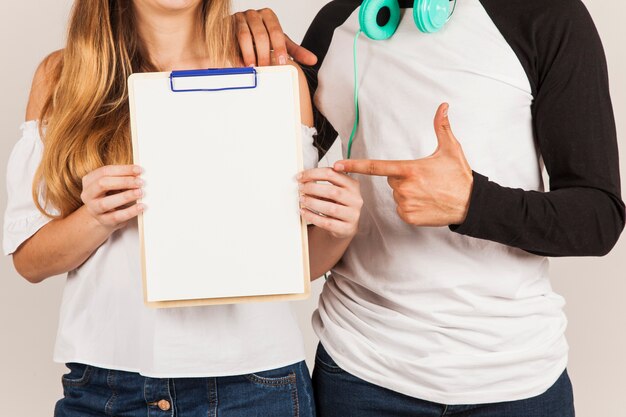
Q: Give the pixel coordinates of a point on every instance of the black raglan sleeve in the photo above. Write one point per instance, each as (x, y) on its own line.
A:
(583, 213)
(317, 40)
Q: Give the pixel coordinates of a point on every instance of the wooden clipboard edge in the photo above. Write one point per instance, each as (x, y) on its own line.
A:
(304, 231)
(137, 161)
(228, 300)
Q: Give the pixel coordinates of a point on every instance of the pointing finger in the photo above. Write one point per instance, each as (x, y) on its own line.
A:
(372, 167)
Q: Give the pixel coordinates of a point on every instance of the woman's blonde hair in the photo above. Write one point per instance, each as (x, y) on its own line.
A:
(86, 114)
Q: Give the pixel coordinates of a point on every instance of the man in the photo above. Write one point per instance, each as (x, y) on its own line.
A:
(442, 304)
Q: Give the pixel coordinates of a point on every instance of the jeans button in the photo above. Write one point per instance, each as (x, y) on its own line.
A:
(164, 405)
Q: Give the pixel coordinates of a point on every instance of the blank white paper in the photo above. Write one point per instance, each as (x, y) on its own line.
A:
(222, 216)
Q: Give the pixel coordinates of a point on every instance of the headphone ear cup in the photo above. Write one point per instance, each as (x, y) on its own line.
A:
(431, 15)
(379, 19)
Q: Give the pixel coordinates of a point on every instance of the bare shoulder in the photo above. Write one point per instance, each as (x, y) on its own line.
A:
(301, 75)
(42, 84)
(306, 107)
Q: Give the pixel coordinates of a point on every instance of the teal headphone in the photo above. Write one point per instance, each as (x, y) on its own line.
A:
(379, 20)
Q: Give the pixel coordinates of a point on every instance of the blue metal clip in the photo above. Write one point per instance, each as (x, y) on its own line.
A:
(213, 72)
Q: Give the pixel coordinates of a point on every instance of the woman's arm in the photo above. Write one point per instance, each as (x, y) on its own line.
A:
(332, 208)
(64, 244)
(325, 251)
(60, 246)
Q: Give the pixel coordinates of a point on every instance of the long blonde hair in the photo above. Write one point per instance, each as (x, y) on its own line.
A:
(86, 114)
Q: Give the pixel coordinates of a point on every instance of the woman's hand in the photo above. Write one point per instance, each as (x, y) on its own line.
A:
(334, 206)
(259, 32)
(110, 194)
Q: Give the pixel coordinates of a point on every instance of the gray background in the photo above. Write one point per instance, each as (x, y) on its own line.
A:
(30, 383)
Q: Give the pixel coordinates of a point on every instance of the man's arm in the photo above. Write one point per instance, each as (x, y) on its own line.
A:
(583, 213)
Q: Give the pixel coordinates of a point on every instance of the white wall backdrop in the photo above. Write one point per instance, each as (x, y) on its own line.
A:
(30, 385)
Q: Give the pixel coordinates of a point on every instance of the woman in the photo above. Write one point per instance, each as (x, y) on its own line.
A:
(72, 208)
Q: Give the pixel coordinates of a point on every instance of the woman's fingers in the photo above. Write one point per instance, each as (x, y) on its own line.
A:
(328, 192)
(112, 202)
(119, 217)
(111, 171)
(103, 185)
(326, 174)
(329, 209)
(334, 206)
(334, 226)
(109, 190)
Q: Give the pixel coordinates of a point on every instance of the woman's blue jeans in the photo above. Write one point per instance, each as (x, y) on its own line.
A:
(97, 392)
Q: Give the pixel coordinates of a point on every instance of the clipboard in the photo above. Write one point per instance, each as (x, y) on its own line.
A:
(220, 149)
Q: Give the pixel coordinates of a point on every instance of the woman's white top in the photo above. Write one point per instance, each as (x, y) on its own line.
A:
(104, 321)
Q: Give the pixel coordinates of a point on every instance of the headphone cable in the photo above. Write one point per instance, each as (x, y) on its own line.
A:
(356, 96)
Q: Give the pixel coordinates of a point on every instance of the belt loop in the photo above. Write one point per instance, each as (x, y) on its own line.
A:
(213, 396)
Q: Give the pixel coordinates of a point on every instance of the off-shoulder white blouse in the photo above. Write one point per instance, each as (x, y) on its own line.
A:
(103, 320)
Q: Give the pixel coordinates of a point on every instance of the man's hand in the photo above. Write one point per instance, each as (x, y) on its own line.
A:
(259, 32)
(433, 191)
